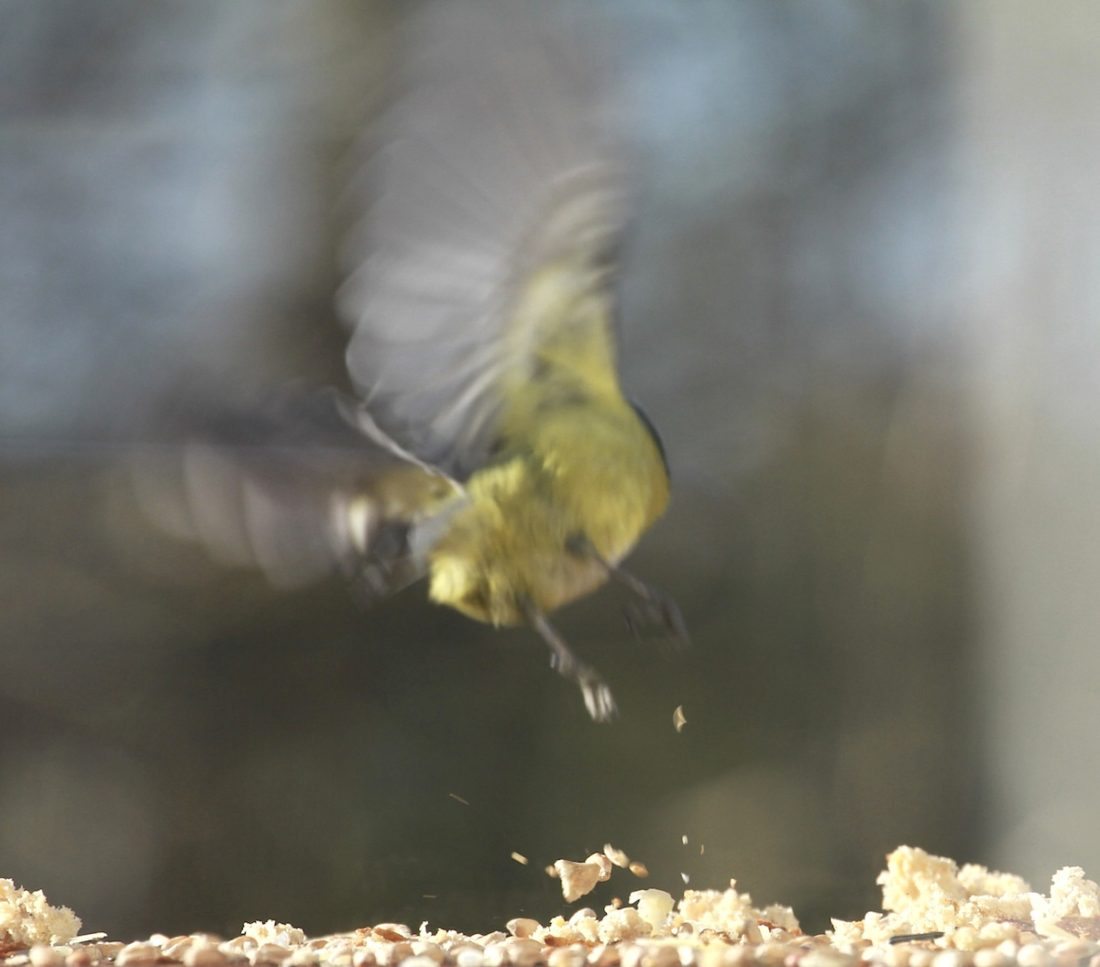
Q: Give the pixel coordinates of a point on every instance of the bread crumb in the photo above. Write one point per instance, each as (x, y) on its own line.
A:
(1073, 908)
(733, 914)
(624, 924)
(577, 879)
(604, 864)
(268, 931)
(26, 918)
(679, 720)
(654, 906)
(974, 907)
(935, 914)
(617, 856)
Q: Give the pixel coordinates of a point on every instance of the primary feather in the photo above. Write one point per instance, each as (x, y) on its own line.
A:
(493, 171)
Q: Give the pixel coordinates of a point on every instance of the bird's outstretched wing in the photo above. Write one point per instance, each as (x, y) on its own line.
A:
(296, 490)
(492, 195)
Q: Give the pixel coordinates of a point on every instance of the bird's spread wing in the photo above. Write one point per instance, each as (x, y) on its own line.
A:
(297, 491)
(491, 191)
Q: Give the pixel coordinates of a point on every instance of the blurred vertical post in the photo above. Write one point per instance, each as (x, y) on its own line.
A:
(1031, 296)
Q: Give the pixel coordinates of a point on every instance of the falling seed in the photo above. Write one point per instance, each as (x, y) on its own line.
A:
(640, 870)
(519, 858)
(457, 798)
(685, 878)
(679, 720)
(684, 839)
(552, 871)
(701, 848)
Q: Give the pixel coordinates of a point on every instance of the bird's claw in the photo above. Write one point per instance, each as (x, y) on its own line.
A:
(673, 620)
(595, 692)
(655, 608)
(597, 698)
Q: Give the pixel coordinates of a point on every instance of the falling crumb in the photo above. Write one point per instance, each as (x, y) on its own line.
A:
(577, 879)
(684, 839)
(457, 798)
(640, 870)
(519, 858)
(701, 849)
(678, 719)
(617, 856)
(685, 878)
(604, 864)
(552, 871)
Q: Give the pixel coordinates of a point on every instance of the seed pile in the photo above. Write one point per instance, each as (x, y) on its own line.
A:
(936, 915)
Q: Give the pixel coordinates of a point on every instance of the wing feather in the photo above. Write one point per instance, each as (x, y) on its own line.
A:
(494, 162)
(298, 491)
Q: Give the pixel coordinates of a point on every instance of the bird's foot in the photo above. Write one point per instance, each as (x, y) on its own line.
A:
(594, 690)
(655, 608)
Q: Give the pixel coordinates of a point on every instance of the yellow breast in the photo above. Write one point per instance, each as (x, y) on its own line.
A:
(589, 470)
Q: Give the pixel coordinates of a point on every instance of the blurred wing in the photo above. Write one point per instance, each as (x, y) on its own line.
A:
(492, 167)
(297, 492)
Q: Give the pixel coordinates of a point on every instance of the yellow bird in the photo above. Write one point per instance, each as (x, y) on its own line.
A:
(489, 446)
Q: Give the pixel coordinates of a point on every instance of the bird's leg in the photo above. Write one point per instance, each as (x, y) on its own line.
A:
(597, 696)
(652, 606)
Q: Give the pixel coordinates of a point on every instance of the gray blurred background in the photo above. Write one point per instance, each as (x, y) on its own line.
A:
(860, 303)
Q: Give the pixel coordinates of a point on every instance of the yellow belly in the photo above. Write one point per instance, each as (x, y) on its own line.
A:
(597, 476)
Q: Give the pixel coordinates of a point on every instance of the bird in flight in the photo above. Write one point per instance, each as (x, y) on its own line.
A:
(487, 444)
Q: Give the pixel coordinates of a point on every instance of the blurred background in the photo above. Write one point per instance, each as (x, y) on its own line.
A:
(860, 302)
